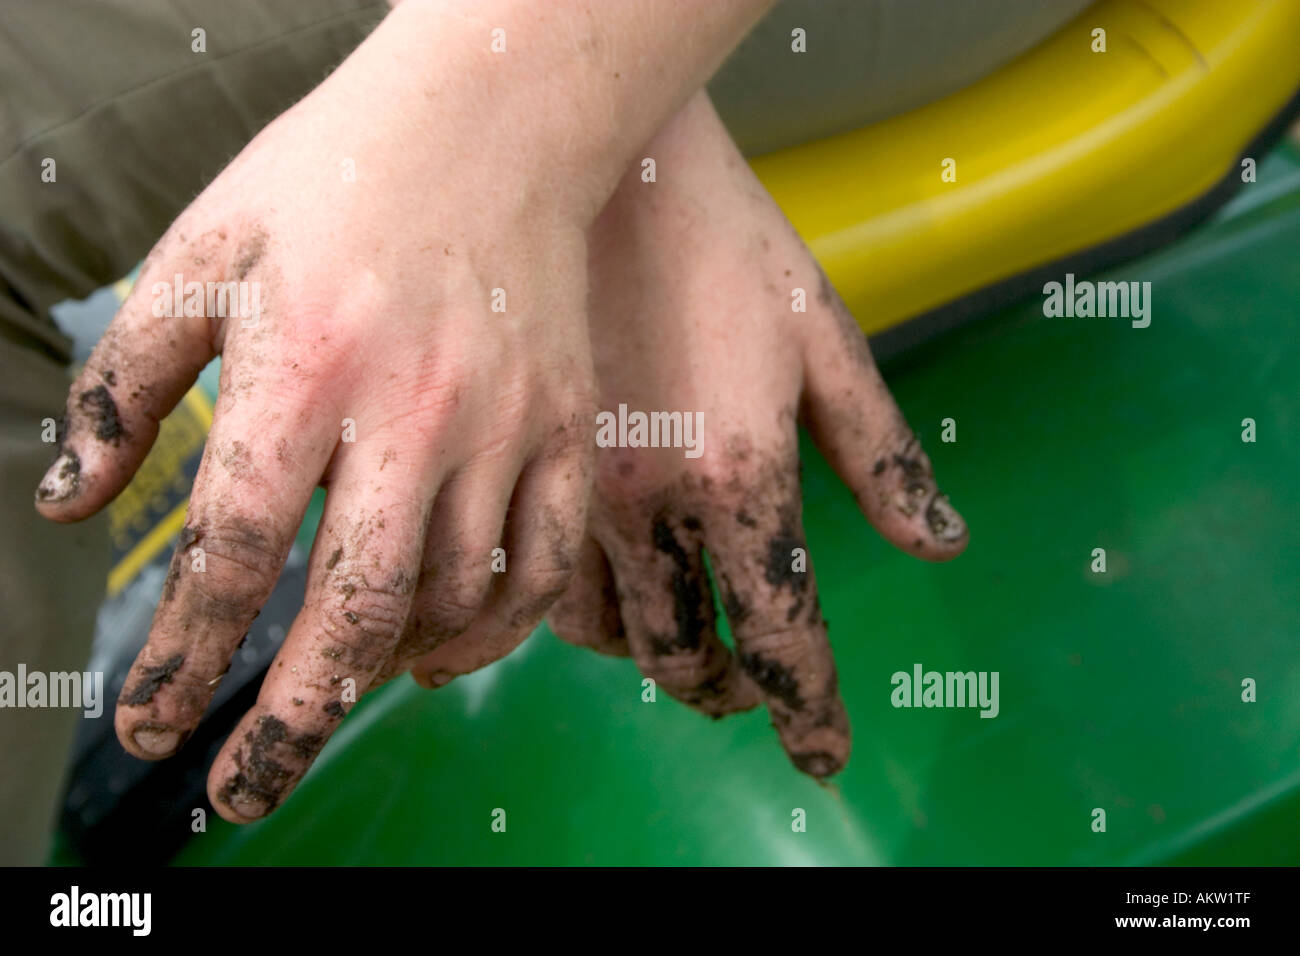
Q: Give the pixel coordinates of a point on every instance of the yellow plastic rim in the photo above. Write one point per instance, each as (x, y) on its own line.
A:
(1060, 151)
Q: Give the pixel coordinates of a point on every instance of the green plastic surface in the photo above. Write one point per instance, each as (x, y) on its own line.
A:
(1119, 691)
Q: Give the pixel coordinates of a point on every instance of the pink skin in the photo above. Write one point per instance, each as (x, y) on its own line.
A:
(691, 291)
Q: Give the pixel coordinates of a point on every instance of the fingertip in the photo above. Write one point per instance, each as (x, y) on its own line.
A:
(904, 504)
(260, 765)
(948, 529)
(432, 679)
(733, 692)
(109, 423)
(232, 808)
(942, 552)
(57, 493)
(818, 763)
(85, 476)
(921, 541)
(149, 740)
(823, 751)
(143, 732)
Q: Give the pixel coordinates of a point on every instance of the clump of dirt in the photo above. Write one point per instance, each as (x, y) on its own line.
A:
(98, 403)
(774, 677)
(262, 781)
(152, 678)
(688, 588)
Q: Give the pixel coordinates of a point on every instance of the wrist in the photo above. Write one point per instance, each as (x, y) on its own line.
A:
(564, 92)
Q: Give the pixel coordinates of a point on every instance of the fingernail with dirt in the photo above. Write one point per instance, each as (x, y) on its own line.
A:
(823, 751)
(250, 808)
(944, 521)
(63, 480)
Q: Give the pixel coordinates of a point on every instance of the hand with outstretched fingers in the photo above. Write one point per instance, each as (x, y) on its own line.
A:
(393, 273)
(692, 290)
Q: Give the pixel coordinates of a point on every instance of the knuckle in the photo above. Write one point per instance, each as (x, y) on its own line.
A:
(675, 672)
(781, 643)
(374, 612)
(515, 397)
(451, 608)
(450, 596)
(239, 563)
(366, 624)
(622, 475)
(543, 584)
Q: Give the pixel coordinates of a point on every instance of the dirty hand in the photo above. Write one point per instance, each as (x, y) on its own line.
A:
(400, 321)
(692, 280)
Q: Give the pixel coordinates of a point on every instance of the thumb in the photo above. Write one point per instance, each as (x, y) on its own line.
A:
(142, 366)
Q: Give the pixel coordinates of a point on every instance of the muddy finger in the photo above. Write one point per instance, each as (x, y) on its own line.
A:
(667, 609)
(765, 579)
(247, 502)
(533, 567)
(144, 363)
(361, 578)
(462, 555)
